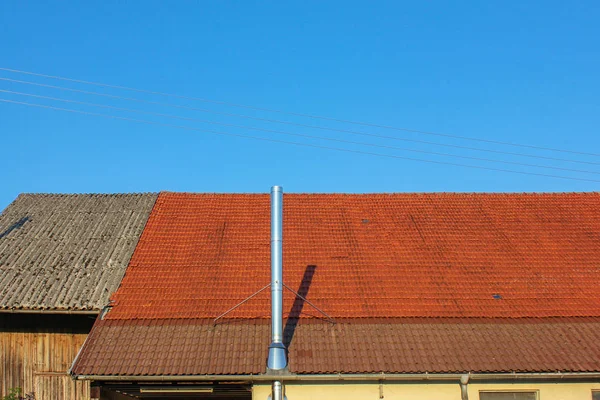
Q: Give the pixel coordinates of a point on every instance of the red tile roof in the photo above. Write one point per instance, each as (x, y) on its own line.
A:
(438, 345)
(373, 255)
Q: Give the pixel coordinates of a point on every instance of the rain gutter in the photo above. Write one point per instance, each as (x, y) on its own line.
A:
(514, 376)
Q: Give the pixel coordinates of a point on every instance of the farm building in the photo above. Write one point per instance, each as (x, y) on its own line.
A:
(61, 258)
(385, 296)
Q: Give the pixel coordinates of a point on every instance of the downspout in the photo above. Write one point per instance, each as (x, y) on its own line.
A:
(464, 392)
(277, 360)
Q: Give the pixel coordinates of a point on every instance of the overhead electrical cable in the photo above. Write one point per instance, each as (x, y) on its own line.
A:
(292, 133)
(133, 99)
(320, 117)
(294, 143)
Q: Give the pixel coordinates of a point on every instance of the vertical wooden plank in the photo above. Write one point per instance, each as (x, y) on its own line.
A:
(16, 362)
(2, 365)
(32, 356)
(60, 387)
(37, 360)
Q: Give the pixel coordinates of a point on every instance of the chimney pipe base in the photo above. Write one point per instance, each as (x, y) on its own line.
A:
(277, 358)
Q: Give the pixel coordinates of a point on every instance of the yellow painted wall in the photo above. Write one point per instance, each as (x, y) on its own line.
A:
(434, 391)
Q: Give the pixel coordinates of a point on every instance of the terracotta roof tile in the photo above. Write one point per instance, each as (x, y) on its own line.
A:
(396, 345)
(416, 283)
(374, 255)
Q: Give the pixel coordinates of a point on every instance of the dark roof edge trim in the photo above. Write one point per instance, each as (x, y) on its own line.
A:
(350, 377)
(70, 371)
(48, 311)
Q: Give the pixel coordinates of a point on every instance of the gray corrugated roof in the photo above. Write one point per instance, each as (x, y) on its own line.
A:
(68, 252)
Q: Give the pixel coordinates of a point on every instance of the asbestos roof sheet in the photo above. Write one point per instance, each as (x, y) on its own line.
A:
(68, 252)
(408, 345)
(369, 256)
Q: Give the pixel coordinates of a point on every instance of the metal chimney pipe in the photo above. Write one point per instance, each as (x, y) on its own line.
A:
(277, 357)
(277, 391)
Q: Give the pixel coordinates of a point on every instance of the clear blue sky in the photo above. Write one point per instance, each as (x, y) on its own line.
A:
(516, 71)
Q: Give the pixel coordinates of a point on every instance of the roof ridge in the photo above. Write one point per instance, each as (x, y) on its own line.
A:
(48, 194)
(386, 193)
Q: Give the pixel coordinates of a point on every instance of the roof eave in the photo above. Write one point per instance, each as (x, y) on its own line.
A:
(510, 376)
(47, 311)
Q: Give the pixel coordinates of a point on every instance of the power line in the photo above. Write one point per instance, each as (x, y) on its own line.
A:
(292, 133)
(133, 99)
(294, 143)
(320, 117)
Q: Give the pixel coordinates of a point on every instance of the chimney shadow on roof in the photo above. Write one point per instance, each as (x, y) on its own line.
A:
(296, 310)
(14, 226)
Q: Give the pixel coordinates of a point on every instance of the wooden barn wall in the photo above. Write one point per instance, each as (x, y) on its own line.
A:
(36, 351)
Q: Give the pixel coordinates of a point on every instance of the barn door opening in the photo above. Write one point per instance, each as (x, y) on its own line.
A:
(177, 391)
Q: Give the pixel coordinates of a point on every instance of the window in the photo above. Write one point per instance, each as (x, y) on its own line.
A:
(595, 394)
(528, 395)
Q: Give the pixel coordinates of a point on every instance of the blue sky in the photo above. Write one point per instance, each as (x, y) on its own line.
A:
(523, 72)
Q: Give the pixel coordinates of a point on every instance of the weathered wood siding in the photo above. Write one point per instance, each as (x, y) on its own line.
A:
(36, 352)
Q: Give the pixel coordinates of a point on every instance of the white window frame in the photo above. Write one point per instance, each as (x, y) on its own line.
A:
(535, 391)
